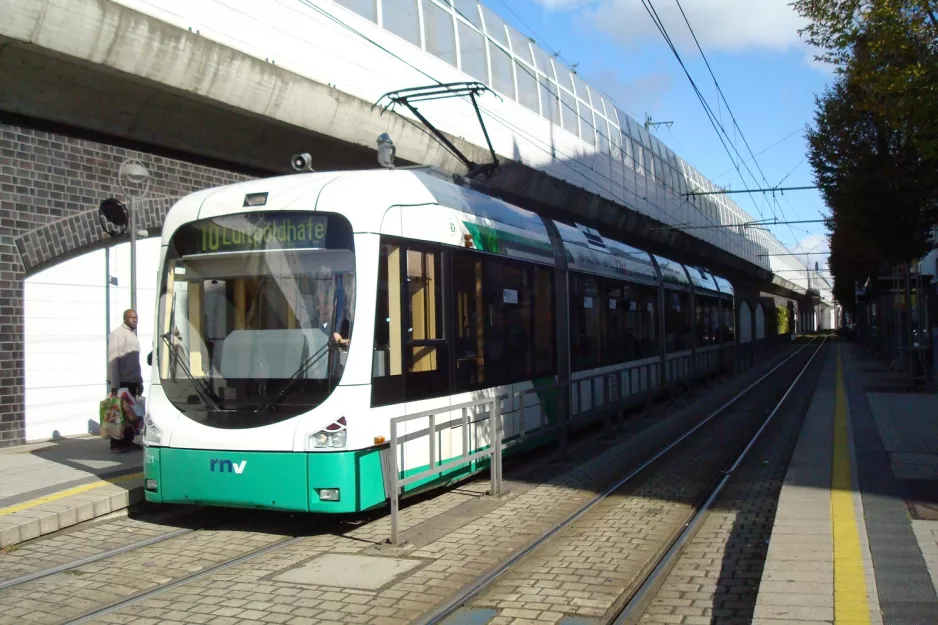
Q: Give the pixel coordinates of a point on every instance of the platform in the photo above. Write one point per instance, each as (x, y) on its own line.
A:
(855, 537)
(45, 487)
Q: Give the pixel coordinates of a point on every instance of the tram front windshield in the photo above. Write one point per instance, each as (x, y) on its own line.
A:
(255, 316)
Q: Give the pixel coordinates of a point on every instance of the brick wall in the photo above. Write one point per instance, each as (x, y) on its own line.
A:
(50, 188)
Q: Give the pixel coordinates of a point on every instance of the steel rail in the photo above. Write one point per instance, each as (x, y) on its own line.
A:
(181, 581)
(439, 614)
(637, 600)
(10, 583)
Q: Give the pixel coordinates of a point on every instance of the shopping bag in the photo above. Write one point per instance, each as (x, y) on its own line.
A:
(140, 407)
(111, 418)
(139, 410)
(131, 410)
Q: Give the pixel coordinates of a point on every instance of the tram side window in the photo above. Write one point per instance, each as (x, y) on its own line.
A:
(713, 321)
(632, 319)
(410, 357)
(648, 321)
(426, 355)
(544, 328)
(729, 321)
(716, 316)
(706, 319)
(620, 344)
(587, 322)
(387, 370)
(677, 320)
(504, 321)
(508, 335)
(469, 344)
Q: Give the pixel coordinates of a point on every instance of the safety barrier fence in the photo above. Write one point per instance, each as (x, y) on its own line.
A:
(602, 395)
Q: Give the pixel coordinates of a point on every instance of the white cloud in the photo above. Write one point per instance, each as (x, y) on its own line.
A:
(813, 243)
(720, 25)
(644, 92)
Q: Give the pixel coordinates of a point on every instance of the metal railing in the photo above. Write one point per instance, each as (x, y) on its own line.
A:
(587, 399)
(493, 452)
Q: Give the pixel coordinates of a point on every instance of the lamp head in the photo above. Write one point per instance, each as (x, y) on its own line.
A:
(386, 151)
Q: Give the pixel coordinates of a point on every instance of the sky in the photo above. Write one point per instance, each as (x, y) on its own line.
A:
(767, 74)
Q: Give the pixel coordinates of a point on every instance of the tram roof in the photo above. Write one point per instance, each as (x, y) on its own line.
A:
(365, 198)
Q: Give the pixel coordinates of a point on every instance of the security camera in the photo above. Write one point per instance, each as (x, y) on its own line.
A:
(302, 162)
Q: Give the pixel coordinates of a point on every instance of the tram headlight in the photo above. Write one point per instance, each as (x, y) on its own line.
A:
(152, 435)
(334, 436)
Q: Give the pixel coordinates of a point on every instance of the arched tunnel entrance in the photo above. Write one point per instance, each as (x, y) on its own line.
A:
(52, 276)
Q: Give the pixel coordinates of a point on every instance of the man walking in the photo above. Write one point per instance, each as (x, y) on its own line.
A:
(123, 368)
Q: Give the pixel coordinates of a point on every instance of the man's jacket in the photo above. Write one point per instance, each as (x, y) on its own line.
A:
(123, 357)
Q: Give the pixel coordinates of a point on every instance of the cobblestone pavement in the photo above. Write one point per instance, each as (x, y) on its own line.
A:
(85, 541)
(718, 575)
(585, 570)
(478, 533)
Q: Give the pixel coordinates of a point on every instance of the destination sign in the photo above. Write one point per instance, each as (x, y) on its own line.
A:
(261, 232)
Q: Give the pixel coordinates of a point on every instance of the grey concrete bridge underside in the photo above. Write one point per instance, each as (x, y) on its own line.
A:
(94, 66)
(97, 65)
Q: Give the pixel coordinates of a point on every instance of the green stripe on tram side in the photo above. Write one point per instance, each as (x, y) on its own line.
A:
(494, 241)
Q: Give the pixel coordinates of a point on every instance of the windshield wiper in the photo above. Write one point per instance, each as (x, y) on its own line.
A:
(205, 394)
(296, 375)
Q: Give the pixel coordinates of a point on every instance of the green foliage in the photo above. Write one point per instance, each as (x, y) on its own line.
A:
(784, 323)
(874, 147)
(889, 48)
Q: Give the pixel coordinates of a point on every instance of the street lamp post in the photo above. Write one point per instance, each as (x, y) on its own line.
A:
(134, 182)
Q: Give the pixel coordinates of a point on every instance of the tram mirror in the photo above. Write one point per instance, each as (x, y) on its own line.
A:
(113, 217)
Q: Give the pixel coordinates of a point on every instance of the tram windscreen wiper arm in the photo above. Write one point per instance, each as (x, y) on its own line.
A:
(205, 394)
(309, 362)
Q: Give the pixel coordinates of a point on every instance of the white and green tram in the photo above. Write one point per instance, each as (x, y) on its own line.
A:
(298, 315)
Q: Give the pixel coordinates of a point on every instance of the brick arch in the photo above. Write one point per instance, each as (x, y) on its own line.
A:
(50, 187)
(79, 234)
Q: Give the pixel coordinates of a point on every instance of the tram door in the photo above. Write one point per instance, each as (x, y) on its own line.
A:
(411, 368)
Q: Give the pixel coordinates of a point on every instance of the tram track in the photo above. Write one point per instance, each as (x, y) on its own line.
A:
(484, 592)
(209, 522)
(208, 568)
(640, 597)
(89, 616)
(177, 550)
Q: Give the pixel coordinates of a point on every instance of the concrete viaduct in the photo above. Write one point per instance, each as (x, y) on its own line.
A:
(86, 83)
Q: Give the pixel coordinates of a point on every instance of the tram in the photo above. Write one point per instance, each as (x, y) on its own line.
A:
(298, 315)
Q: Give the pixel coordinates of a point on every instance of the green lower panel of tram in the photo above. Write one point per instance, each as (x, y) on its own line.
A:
(325, 482)
(308, 482)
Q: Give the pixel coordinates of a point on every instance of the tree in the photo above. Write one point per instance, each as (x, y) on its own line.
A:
(874, 148)
(882, 193)
(889, 48)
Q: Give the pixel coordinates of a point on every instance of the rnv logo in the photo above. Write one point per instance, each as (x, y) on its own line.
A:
(227, 466)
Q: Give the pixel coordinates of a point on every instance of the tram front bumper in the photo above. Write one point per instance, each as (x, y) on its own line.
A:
(330, 482)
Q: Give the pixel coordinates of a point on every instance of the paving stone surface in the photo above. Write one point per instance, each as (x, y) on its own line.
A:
(720, 573)
(583, 571)
(470, 543)
(926, 533)
(83, 542)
